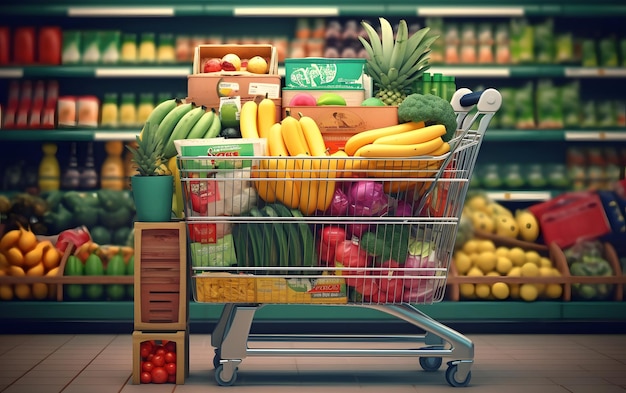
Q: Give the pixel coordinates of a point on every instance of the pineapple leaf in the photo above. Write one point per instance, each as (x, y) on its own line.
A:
(387, 43)
(413, 43)
(400, 47)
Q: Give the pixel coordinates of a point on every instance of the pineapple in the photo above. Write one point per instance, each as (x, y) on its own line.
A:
(395, 66)
(148, 155)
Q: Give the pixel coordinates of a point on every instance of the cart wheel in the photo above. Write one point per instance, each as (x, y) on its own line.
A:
(216, 358)
(218, 377)
(451, 377)
(430, 363)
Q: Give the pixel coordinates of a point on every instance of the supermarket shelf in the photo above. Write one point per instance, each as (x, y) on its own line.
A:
(511, 311)
(96, 71)
(71, 135)
(182, 70)
(521, 196)
(325, 8)
(514, 135)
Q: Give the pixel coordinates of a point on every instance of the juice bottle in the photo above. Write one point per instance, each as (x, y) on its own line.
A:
(112, 171)
(89, 176)
(110, 111)
(128, 110)
(166, 52)
(147, 48)
(71, 176)
(146, 105)
(49, 169)
(128, 52)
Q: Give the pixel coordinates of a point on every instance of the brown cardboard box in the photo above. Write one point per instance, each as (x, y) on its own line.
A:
(205, 52)
(352, 97)
(338, 123)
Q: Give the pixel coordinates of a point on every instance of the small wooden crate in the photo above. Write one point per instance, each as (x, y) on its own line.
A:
(180, 337)
(161, 290)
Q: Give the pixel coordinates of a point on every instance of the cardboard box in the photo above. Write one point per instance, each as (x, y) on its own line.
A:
(352, 97)
(331, 290)
(208, 89)
(180, 338)
(224, 288)
(338, 123)
(204, 52)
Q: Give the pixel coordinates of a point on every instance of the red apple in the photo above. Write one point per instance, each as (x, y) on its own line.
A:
(213, 65)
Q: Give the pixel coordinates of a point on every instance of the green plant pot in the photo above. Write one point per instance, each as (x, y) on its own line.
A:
(153, 197)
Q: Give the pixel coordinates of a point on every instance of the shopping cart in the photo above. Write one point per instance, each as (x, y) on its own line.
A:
(248, 253)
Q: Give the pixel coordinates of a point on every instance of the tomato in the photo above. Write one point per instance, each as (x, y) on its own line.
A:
(150, 356)
(367, 287)
(145, 377)
(332, 235)
(326, 253)
(158, 360)
(170, 346)
(391, 282)
(171, 378)
(159, 375)
(160, 350)
(147, 366)
(349, 254)
(170, 357)
(145, 349)
(170, 368)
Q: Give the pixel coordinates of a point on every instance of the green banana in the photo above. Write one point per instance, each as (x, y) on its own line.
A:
(160, 111)
(182, 129)
(200, 128)
(294, 243)
(166, 127)
(268, 253)
(308, 242)
(215, 128)
(280, 237)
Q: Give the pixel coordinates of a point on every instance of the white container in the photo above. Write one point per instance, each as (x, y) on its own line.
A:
(88, 108)
(67, 111)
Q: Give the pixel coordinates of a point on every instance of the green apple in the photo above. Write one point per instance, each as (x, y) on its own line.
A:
(372, 101)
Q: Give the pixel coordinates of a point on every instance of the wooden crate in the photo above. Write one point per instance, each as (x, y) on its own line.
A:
(161, 288)
(180, 337)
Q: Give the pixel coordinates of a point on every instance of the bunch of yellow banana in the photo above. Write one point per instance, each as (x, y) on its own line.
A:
(255, 119)
(301, 182)
(392, 151)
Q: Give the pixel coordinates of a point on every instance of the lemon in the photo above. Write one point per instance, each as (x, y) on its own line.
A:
(475, 272)
(529, 269)
(500, 290)
(546, 271)
(486, 245)
(478, 202)
(515, 271)
(486, 261)
(533, 256)
(553, 291)
(466, 290)
(503, 265)
(482, 291)
(492, 273)
(528, 292)
(517, 256)
(502, 251)
(470, 246)
(257, 65)
(462, 262)
(556, 272)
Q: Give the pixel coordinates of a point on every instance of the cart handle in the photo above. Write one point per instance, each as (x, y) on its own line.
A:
(488, 100)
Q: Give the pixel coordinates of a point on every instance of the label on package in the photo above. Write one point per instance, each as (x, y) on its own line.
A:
(261, 89)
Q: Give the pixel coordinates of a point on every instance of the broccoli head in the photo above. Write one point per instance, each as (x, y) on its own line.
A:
(431, 110)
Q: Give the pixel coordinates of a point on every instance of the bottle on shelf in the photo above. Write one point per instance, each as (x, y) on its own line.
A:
(89, 175)
(147, 48)
(49, 169)
(146, 106)
(110, 111)
(71, 175)
(166, 52)
(128, 51)
(112, 171)
(128, 110)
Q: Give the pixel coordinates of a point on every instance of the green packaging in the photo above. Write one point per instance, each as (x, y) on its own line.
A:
(544, 42)
(588, 114)
(71, 52)
(110, 41)
(90, 47)
(548, 105)
(606, 114)
(570, 102)
(588, 51)
(524, 105)
(564, 48)
(607, 50)
(507, 114)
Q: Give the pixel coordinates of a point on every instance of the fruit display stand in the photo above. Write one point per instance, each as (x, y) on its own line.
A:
(563, 279)
(57, 282)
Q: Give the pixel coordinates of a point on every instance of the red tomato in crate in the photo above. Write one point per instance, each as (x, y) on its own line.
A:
(170, 368)
(158, 360)
(159, 375)
(147, 366)
(145, 349)
(170, 346)
(171, 378)
(170, 357)
(145, 377)
(160, 350)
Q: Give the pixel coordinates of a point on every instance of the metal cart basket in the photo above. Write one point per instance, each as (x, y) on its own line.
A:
(385, 242)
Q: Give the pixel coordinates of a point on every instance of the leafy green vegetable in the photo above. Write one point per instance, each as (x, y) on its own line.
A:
(389, 241)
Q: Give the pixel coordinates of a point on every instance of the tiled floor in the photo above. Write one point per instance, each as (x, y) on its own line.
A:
(503, 363)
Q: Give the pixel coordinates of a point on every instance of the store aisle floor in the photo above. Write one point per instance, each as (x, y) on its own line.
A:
(503, 363)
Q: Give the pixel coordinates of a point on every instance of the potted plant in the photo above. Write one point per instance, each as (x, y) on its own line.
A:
(152, 187)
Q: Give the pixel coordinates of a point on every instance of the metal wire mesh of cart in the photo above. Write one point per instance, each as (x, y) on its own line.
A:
(327, 229)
